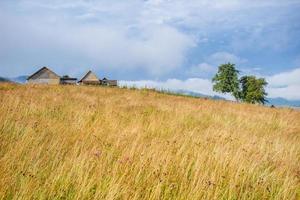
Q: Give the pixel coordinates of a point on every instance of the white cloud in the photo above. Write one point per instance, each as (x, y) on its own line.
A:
(200, 69)
(290, 92)
(285, 85)
(210, 66)
(152, 35)
(156, 49)
(225, 57)
(285, 78)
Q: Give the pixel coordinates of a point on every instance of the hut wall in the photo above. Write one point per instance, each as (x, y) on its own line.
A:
(68, 82)
(90, 82)
(112, 83)
(44, 81)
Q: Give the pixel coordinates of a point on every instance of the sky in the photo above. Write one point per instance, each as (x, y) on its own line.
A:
(170, 44)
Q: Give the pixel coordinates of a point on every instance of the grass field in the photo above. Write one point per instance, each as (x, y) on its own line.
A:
(76, 142)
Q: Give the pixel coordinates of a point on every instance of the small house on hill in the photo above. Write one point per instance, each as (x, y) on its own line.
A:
(44, 76)
(112, 83)
(107, 82)
(104, 81)
(66, 80)
(90, 79)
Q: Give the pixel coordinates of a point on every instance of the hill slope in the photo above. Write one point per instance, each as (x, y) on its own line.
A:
(73, 142)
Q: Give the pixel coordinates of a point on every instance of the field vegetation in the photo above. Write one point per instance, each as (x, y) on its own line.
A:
(80, 142)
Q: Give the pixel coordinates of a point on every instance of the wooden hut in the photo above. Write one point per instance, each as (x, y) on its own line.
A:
(89, 79)
(112, 83)
(66, 80)
(44, 76)
(104, 81)
(108, 82)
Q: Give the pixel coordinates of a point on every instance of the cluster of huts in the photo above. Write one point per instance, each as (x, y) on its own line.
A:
(47, 76)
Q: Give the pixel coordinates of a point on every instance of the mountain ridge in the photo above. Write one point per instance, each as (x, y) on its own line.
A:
(271, 101)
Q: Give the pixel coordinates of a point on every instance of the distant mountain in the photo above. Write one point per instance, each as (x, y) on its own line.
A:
(2, 79)
(283, 102)
(272, 101)
(196, 94)
(19, 79)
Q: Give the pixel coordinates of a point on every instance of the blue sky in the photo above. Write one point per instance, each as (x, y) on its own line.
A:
(174, 44)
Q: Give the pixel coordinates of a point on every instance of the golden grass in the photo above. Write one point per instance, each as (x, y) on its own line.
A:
(76, 142)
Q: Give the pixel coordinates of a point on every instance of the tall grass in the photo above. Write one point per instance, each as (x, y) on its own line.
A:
(68, 142)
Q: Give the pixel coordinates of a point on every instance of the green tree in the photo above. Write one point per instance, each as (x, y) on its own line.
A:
(226, 80)
(252, 90)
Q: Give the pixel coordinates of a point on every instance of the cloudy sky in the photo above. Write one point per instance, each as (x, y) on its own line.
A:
(174, 44)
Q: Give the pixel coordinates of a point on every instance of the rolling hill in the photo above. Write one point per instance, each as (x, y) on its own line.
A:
(80, 142)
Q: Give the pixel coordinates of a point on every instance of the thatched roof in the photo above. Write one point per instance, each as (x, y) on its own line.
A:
(41, 70)
(88, 74)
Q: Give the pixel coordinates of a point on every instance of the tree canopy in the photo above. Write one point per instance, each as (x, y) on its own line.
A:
(226, 80)
(246, 89)
(252, 89)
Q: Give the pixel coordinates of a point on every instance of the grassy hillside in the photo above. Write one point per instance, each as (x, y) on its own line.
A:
(75, 142)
